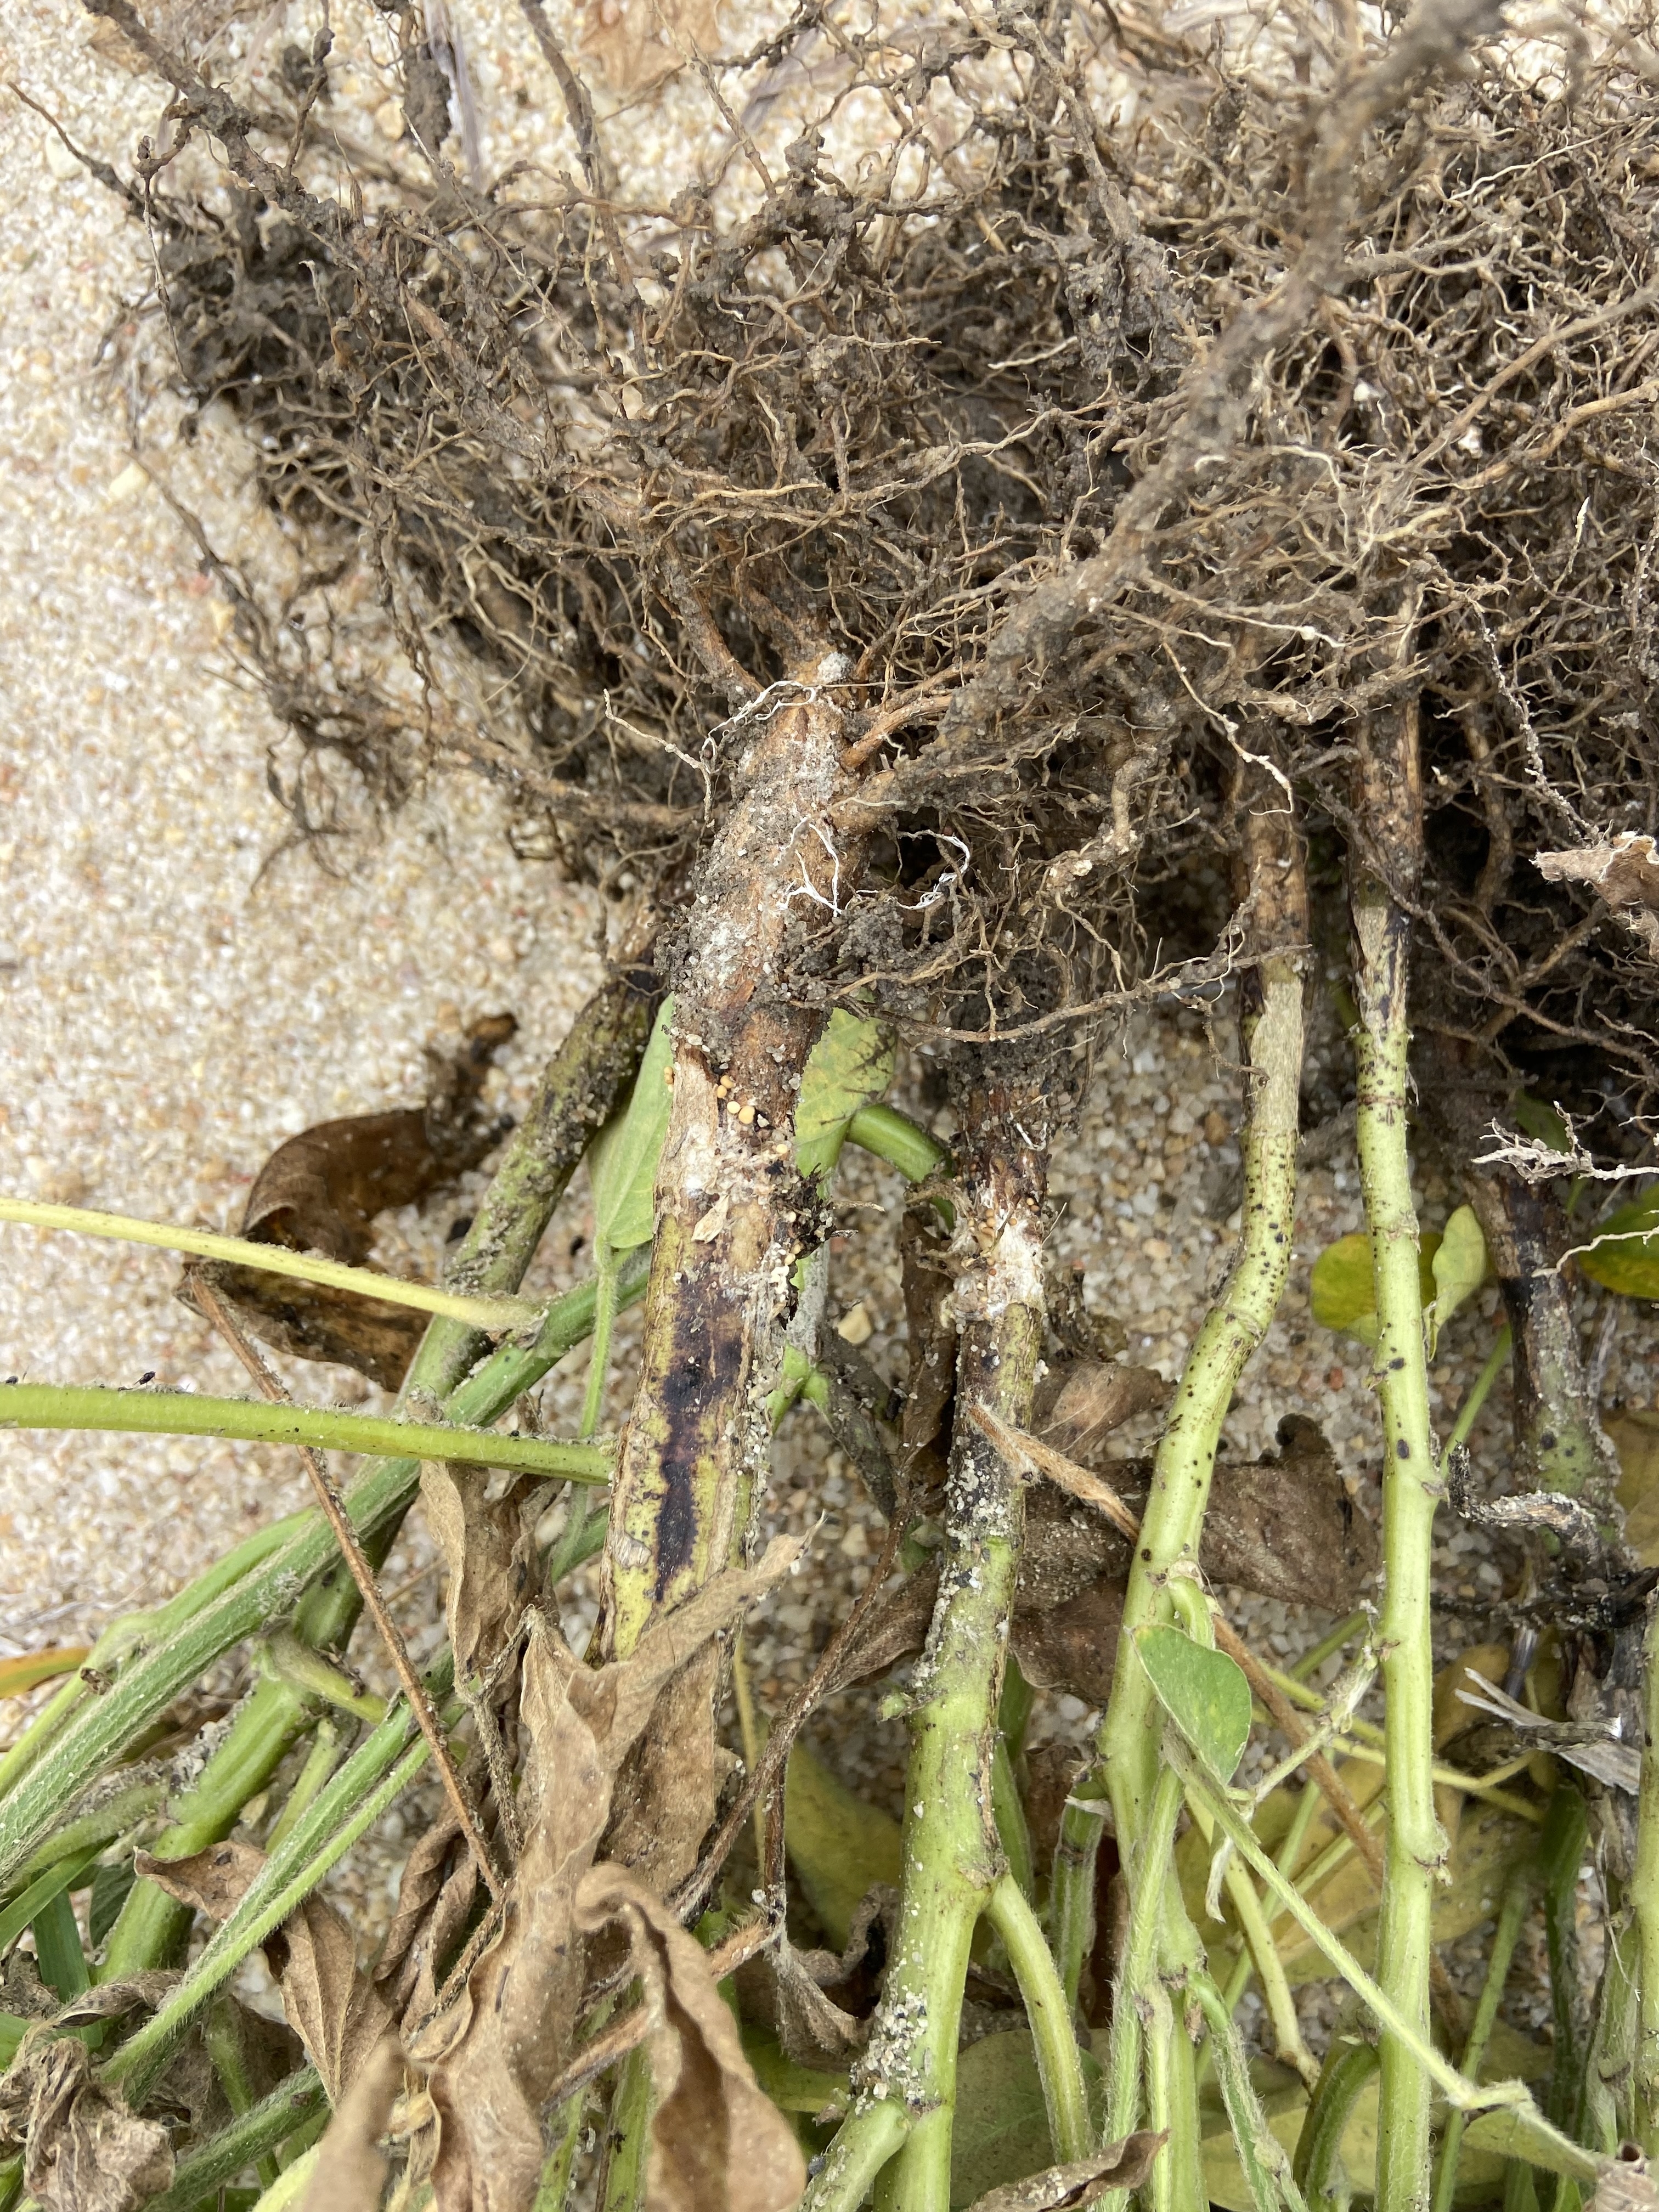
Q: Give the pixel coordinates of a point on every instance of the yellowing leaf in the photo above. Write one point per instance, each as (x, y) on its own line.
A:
(840, 1848)
(851, 1064)
(1636, 1439)
(621, 1164)
(1625, 1256)
(1203, 1692)
(1458, 1266)
(1341, 1292)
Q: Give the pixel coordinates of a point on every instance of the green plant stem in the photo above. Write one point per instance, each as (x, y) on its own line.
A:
(1334, 1641)
(319, 1763)
(373, 1778)
(1010, 1816)
(1644, 1905)
(92, 1831)
(38, 1896)
(1135, 1974)
(483, 1314)
(147, 1629)
(1229, 1333)
(1526, 2133)
(1059, 2063)
(1511, 1915)
(952, 1858)
(1347, 2069)
(1267, 2172)
(204, 2170)
(1071, 1884)
(1469, 1412)
(150, 1680)
(247, 1420)
(1415, 1845)
(895, 1138)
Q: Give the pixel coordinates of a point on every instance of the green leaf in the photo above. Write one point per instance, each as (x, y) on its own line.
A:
(1203, 1692)
(851, 1064)
(1459, 1269)
(1544, 1124)
(13, 2028)
(621, 1163)
(109, 1886)
(840, 1848)
(1341, 1292)
(1001, 2129)
(1629, 1266)
(58, 1950)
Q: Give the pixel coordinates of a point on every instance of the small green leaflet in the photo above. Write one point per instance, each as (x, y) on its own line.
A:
(1542, 1123)
(1341, 1292)
(1459, 1269)
(1451, 1266)
(622, 1162)
(1203, 1692)
(1631, 1265)
(851, 1064)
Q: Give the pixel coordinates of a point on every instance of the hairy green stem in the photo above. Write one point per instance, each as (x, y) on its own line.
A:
(1268, 2170)
(1347, 2071)
(1132, 1995)
(373, 1778)
(150, 1680)
(1415, 1847)
(245, 1420)
(1071, 1884)
(1511, 1915)
(1060, 2062)
(294, 2104)
(142, 1630)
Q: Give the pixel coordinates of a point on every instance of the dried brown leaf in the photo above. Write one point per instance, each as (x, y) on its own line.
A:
(213, 1882)
(718, 2144)
(1080, 1403)
(491, 1561)
(491, 2075)
(636, 43)
(435, 1897)
(1625, 2185)
(335, 2009)
(83, 2150)
(321, 1192)
(350, 2172)
(1123, 2165)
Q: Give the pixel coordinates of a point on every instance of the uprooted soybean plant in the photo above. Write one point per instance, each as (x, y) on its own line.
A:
(1072, 514)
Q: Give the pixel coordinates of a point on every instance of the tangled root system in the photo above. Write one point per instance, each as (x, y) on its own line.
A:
(1130, 407)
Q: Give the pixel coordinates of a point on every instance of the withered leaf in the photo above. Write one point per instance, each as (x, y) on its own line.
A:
(321, 1191)
(492, 2072)
(84, 2149)
(213, 1882)
(1283, 1525)
(350, 2172)
(435, 1898)
(635, 43)
(1123, 2165)
(1079, 1403)
(490, 1556)
(335, 2010)
(718, 2144)
(811, 2026)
